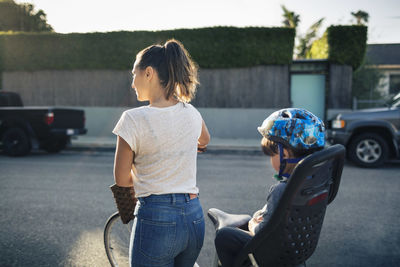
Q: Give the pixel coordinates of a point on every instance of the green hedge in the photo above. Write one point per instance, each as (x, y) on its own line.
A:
(347, 44)
(342, 44)
(217, 47)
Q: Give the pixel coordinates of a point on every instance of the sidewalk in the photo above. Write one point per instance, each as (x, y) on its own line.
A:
(216, 144)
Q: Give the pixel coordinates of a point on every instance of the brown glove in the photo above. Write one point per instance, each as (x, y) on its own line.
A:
(125, 201)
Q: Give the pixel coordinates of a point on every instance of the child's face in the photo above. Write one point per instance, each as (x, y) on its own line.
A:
(275, 162)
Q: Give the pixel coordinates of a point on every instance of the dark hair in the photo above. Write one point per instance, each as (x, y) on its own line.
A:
(176, 70)
(270, 148)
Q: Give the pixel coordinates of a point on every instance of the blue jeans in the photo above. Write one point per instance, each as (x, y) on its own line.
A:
(168, 231)
(229, 241)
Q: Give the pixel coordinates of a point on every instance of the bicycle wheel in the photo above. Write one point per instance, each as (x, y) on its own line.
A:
(116, 240)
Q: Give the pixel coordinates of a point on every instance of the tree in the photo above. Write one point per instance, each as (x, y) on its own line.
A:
(291, 19)
(305, 42)
(361, 17)
(22, 17)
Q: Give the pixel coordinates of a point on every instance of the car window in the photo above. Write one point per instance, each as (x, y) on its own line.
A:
(396, 104)
(395, 101)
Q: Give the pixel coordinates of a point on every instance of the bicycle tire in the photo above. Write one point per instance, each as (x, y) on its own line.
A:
(116, 240)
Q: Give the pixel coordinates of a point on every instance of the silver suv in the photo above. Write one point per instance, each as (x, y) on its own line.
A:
(371, 136)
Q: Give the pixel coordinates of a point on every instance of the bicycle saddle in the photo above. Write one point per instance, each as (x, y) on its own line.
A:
(222, 219)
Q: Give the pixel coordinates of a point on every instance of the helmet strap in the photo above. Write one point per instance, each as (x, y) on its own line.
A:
(283, 163)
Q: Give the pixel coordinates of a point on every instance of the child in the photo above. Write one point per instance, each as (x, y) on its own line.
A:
(156, 154)
(288, 136)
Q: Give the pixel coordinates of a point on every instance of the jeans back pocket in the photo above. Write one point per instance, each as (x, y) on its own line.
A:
(157, 239)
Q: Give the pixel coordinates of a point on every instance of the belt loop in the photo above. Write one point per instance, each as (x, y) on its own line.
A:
(173, 198)
(187, 197)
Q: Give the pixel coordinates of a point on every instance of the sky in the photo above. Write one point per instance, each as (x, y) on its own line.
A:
(67, 16)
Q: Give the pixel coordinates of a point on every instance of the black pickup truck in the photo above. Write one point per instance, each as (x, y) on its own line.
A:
(23, 128)
(371, 136)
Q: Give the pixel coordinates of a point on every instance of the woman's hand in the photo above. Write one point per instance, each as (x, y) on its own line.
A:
(201, 149)
(204, 138)
(123, 163)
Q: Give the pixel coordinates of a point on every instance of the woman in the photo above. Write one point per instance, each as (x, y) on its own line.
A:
(156, 154)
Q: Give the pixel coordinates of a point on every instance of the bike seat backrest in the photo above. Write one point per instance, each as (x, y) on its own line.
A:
(292, 233)
(300, 228)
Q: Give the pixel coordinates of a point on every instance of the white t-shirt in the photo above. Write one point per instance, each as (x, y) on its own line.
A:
(164, 141)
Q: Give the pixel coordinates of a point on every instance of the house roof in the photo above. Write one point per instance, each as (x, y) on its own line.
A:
(383, 54)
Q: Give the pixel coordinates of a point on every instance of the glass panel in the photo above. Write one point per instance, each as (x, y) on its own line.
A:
(308, 91)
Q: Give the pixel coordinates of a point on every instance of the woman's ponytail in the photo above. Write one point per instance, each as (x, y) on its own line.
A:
(182, 72)
(175, 68)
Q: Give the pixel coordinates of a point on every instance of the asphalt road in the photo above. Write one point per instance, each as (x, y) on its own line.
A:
(53, 208)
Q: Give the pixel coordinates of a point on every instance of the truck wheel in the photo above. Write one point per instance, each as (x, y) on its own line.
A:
(16, 142)
(54, 145)
(368, 150)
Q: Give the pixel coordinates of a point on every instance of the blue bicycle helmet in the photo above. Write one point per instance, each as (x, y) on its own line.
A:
(295, 128)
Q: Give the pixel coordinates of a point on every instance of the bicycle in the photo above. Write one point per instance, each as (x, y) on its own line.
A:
(116, 240)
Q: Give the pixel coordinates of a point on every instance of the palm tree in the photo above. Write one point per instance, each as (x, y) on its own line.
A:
(291, 19)
(361, 17)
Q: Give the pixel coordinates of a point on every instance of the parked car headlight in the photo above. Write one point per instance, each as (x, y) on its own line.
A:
(338, 124)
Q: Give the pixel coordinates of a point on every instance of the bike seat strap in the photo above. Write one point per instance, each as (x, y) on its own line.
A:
(222, 219)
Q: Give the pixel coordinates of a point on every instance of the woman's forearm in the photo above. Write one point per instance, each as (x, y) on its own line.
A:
(123, 179)
(123, 164)
(204, 138)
